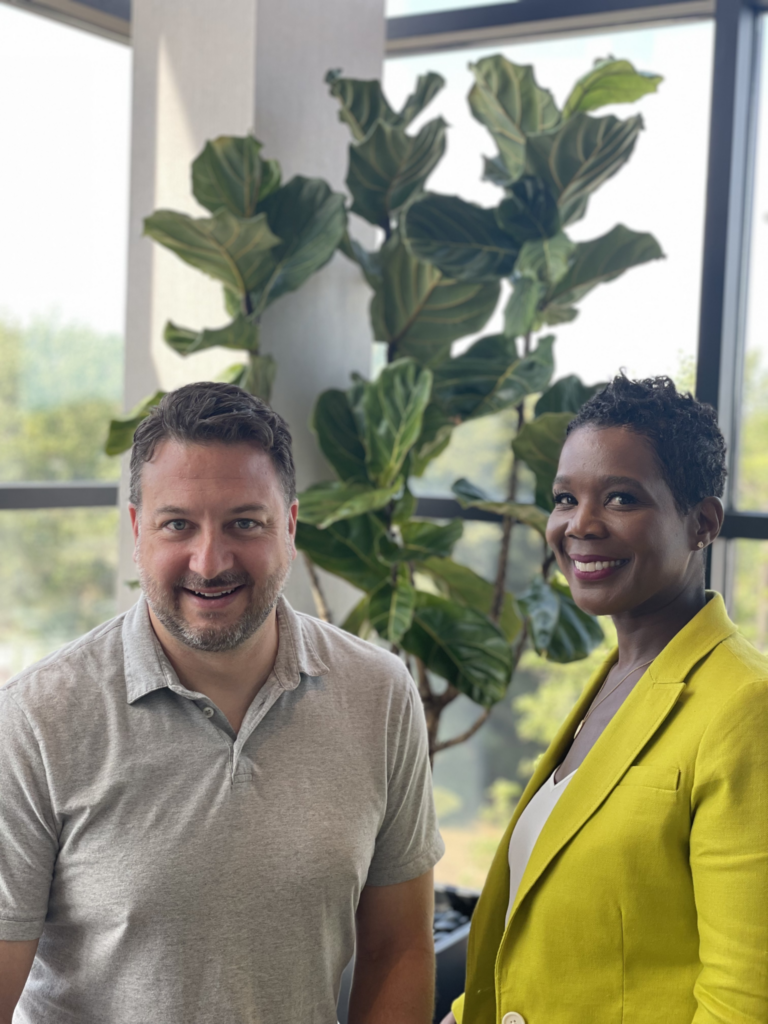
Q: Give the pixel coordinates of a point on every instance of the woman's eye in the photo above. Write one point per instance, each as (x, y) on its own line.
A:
(622, 499)
(564, 499)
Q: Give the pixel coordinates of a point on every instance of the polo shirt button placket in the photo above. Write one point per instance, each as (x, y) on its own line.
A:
(513, 1018)
(208, 712)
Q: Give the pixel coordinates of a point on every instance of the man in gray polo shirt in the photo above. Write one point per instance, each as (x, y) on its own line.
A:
(206, 802)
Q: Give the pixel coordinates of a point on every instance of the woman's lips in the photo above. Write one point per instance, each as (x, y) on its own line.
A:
(590, 568)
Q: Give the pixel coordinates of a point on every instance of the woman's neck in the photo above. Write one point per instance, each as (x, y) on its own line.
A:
(644, 632)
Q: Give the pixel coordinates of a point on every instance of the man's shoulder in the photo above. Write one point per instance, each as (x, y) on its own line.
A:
(351, 656)
(87, 661)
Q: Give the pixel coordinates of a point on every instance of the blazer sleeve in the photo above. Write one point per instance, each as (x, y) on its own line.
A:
(729, 861)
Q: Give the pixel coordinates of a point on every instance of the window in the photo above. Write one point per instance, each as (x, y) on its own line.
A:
(65, 116)
(662, 190)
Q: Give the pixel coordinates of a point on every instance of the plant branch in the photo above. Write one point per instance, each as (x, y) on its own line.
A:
(323, 610)
(464, 736)
(500, 584)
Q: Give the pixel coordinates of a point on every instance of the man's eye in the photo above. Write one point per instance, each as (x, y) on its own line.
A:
(246, 524)
(177, 525)
(564, 499)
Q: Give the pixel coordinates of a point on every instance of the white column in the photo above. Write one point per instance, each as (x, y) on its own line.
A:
(204, 68)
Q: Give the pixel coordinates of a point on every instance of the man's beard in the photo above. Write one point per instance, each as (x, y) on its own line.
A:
(166, 605)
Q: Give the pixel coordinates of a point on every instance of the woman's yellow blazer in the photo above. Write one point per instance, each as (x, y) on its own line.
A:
(645, 900)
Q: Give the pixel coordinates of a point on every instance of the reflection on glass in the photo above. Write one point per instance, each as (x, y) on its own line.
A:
(396, 8)
(62, 285)
(750, 590)
(751, 491)
(57, 570)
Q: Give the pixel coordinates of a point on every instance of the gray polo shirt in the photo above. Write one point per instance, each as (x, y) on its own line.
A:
(177, 873)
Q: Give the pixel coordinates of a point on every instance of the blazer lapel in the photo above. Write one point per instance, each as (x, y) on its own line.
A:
(630, 730)
(488, 920)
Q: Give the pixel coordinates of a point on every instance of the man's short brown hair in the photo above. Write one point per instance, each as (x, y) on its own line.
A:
(211, 413)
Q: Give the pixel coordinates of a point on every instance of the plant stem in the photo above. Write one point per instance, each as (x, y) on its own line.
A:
(464, 736)
(323, 610)
(508, 522)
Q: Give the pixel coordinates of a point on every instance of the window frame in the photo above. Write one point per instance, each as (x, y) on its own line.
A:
(731, 165)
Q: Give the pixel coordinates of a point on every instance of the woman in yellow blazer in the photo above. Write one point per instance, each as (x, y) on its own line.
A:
(645, 897)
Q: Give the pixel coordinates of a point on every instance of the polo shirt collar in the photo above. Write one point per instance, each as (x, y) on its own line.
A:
(147, 668)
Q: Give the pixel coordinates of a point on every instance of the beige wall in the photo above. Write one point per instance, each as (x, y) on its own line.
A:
(204, 68)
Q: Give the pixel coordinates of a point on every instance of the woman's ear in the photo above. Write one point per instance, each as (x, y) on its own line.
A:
(707, 521)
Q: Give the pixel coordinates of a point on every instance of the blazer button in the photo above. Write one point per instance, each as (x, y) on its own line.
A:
(513, 1018)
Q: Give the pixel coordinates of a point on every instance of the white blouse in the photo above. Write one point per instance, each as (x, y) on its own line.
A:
(528, 829)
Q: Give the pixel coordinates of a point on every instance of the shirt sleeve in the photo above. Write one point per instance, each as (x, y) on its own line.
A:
(729, 861)
(28, 832)
(408, 842)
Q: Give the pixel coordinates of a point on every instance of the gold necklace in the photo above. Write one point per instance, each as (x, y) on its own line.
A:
(613, 689)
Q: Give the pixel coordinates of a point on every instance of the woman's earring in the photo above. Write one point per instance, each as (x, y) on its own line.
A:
(701, 543)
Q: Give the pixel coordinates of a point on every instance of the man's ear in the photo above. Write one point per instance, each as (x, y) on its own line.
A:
(134, 514)
(708, 521)
(293, 514)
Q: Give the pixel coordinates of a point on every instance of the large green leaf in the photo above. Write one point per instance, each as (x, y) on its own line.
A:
(337, 435)
(546, 259)
(369, 262)
(357, 619)
(579, 156)
(354, 549)
(566, 395)
(507, 100)
(469, 496)
(242, 333)
(391, 607)
(122, 428)
(260, 376)
(539, 444)
(234, 374)
(420, 312)
(427, 87)
(311, 220)
(428, 540)
(227, 248)
(461, 645)
(389, 166)
(602, 259)
(389, 418)
(490, 376)
(609, 81)
(529, 212)
(559, 629)
(435, 436)
(230, 173)
(464, 586)
(324, 504)
(464, 241)
(363, 103)
(521, 313)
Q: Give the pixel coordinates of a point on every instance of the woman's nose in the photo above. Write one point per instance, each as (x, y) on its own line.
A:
(586, 522)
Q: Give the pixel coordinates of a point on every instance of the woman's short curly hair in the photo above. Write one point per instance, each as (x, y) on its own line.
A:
(682, 431)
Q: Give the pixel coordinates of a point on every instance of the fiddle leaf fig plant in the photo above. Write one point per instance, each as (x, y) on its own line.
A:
(437, 277)
(262, 240)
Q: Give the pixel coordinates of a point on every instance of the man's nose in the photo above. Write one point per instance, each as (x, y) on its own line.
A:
(211, 554)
